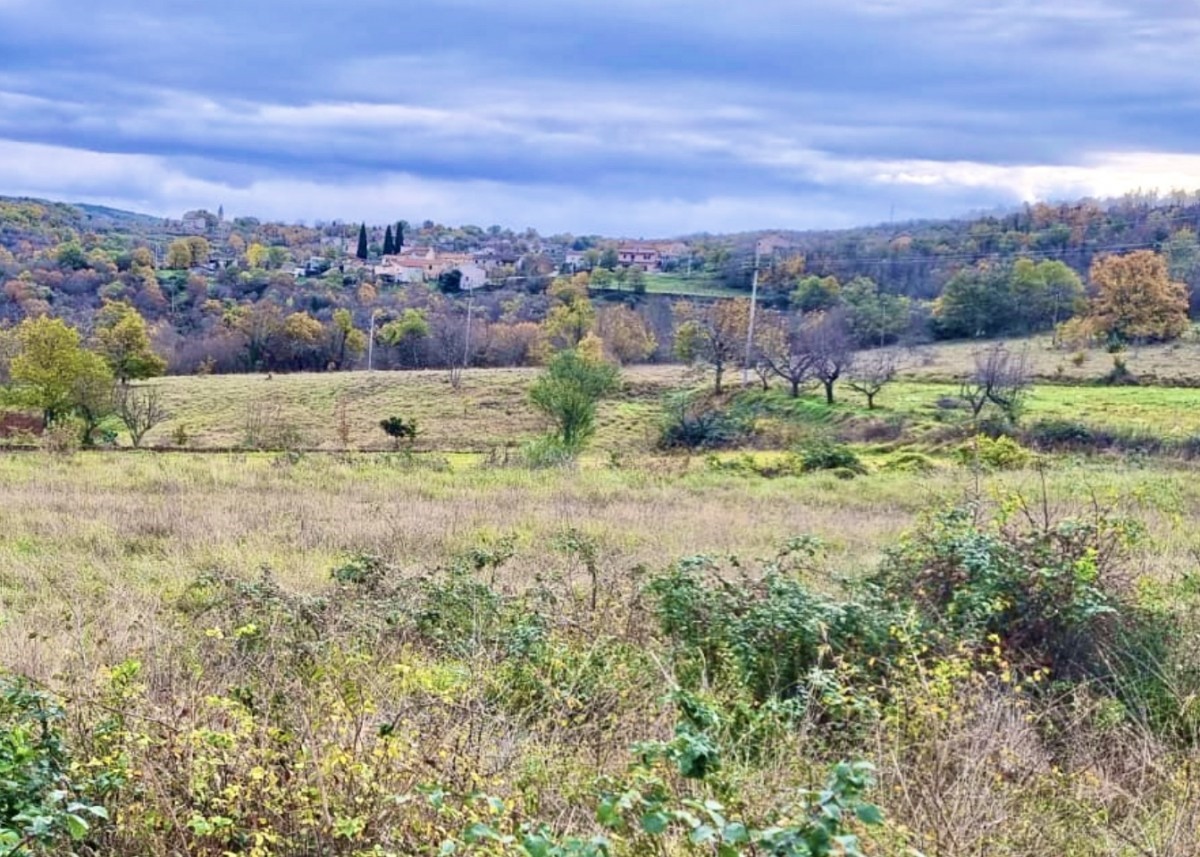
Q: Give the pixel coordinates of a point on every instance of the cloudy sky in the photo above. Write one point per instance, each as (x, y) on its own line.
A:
(632, 117)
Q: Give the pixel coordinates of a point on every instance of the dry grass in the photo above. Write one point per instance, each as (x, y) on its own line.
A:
(490, 410)
(91, 548)
(1172, 363)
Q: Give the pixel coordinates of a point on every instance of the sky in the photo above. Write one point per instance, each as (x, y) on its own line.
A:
(621, 117)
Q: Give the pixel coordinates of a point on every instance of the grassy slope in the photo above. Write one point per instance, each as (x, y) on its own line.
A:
(491, 409)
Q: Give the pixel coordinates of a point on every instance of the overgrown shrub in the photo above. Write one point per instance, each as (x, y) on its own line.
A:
(545, 452)
(824, 454)
(694, 422)
(45, 803)
(1050, 592)
(994, 453)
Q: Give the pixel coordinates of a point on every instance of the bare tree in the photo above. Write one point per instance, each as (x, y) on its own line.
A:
(1000, 377)
(140, 409)
(776, 352)
(824, 341)
(872, 371)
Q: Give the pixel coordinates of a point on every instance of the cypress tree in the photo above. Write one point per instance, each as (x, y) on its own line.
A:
(399, 242)
(388, 247)
(362, 242)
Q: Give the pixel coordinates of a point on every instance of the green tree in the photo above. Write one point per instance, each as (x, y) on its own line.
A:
(406, 334)
(54, 373)
(389, 246)
(398, 241)
(362, 242)
(123, 340)
(814, 294)
(347, 342)
(976, 302)
(874, 317)
(70, 255)
(609, 258)
(568, 393)
(1044, 293)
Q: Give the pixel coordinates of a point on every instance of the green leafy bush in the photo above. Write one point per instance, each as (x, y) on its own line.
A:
(994, 453)
(42, 801)
(824, 454)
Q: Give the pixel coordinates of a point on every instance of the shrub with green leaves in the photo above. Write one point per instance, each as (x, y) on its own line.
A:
(42, 804)
(824, 454)
(568, 393)
(994, 453)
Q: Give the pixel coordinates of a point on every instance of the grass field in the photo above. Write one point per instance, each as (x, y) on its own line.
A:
(490, 411)
(369, 654)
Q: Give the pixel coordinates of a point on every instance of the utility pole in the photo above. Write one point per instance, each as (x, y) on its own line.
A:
(753, 307)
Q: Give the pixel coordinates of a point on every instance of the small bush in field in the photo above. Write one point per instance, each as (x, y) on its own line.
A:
(546, 452)
(399, 430)
(821, 454)
(998, 453)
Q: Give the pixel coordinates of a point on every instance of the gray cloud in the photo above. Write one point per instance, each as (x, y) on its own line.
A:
(623, 116)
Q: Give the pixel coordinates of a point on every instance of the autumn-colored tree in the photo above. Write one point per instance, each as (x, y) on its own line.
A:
(713, 335)
(302, 336)
(1136, 299)
(123, 340)
(572, 314)
(179, 255)
(625, 333)
(347, 342)
(257, 255)
(200, 249)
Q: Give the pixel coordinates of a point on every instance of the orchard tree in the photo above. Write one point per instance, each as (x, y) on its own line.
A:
(123, 340)
(714, 335)
(871, 372)
(140, 408)
(777, 349)
(824, 341)
(1136, 299)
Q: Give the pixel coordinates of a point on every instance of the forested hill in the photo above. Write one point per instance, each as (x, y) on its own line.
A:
(913, 258)
(918, 258)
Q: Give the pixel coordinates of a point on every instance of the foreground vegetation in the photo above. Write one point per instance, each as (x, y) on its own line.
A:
(284, 654)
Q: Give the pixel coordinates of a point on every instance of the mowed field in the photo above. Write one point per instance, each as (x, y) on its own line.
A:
(491, 411)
